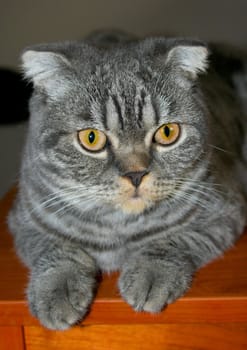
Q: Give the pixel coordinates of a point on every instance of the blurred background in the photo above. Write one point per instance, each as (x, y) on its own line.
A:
(26, 22)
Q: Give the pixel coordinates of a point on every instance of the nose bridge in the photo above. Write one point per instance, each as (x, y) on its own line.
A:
(134, 160)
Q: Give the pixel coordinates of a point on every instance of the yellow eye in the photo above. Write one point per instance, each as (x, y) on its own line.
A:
(92, 140)
(167, 134)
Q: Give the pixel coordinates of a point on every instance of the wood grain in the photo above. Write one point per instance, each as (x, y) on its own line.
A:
(141, 337)
(11, 338)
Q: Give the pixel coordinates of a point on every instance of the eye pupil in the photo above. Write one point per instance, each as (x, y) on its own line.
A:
(91, 137)
(92, 140)
(167, 134)
(167, 131)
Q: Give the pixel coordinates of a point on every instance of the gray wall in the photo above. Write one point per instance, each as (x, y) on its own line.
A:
(24, 22)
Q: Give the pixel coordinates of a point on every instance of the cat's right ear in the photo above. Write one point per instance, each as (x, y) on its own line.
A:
(47, 71)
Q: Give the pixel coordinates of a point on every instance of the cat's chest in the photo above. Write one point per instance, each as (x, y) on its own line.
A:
(110, 260)
(111, 241)
(110, 245)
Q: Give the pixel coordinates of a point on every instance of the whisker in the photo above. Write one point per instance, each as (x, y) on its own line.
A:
(193, 200)
(198, 181)
(75, 201)
(53, 197)
(201, 187)
(64, 195)
(221, 149)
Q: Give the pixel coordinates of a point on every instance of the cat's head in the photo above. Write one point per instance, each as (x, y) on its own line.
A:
(120, 127)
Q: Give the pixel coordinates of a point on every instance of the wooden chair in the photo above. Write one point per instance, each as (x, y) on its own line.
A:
(212, 315)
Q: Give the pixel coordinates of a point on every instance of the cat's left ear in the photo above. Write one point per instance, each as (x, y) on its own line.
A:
(191, 59)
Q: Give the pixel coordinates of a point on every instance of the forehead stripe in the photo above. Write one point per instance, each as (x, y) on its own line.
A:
(139, 112)
(118, 110)
(156, 112)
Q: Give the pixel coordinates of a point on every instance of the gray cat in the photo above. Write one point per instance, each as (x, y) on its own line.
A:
(135, 161)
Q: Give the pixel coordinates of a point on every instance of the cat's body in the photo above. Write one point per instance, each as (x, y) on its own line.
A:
(154, 209)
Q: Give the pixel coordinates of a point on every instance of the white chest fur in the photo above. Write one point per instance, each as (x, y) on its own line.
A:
(109, 261)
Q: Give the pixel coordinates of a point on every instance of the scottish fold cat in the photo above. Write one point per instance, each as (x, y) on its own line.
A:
(135, 160)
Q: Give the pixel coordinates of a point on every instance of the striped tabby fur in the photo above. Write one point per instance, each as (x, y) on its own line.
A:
(77, 213)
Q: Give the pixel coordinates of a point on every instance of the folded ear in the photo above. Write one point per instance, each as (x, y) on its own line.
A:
(47, 70)
(191, 59)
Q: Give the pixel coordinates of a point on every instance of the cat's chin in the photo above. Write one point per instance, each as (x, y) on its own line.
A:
(134, 206)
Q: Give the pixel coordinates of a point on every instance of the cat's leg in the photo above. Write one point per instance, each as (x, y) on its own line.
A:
(162, 270)
(62, 284)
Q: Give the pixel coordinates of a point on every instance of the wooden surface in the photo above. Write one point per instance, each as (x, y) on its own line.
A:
(212, 315)
(141, 337)
(11, 338)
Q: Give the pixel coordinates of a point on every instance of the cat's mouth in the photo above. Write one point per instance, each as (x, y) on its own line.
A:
(133, 200)
(134, 205)
(136, 194)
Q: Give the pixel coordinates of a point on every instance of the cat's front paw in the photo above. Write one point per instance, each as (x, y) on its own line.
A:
(60, 297)
(150, 286)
